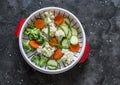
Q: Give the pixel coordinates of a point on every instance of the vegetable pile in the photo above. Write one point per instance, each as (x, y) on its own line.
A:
(54, 39)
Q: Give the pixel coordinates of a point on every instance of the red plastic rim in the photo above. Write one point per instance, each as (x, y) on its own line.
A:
(19, 26)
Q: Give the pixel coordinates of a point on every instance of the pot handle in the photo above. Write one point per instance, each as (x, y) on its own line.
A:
(85, 54)
(18, 27)
(87, 47)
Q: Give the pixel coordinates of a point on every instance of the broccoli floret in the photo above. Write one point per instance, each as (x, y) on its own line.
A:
(43, 61)
(36, 59)
(30, 29)
(27, 31)
(32, 33)
(39, 60)
(31, 25)
(27, 47)
(40, 40)
(35, 33)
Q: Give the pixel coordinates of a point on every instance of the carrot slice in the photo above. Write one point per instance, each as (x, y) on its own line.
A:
(57, 54)
(75, 48)
(59, 19)
(54, 40)
(34, 44)
(39, 23)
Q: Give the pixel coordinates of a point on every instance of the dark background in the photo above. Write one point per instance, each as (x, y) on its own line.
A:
(101, 22)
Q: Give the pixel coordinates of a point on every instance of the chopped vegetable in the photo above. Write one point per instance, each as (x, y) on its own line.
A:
(31, 25)
(59, 35)
(75, 48)
(67, 21)
(54, 40)
(39, 23)
(59, 19)
(65, 28)
(27, 47)
(57, 54)
(57, 45)
(52, 64)
(40, 40)
(43, 61)
(34, 44)
(48, 32)
(59, 38)
(32, 33)
(65, 43)
(74, 31)
(46, 50)
(27, 31)
(67, 57)
(36, 59)
(52, 67)
(39, 60)
(74, 40)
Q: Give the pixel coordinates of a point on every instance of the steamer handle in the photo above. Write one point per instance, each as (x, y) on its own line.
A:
(87, 47)
(18, 27)
(85, 54)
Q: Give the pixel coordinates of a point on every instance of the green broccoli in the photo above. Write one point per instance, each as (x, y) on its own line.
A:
(27, 31)
(43, 61)
(40, 40)
(31, 25)
(35, 33)
(27, 47)
(36, 59)
(39, 60)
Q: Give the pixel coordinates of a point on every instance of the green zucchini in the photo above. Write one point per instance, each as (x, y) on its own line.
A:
(74, 31)
(67, 21)
(74, 40)
(51, 68)
(59, 38)
(69, 34)
(66, 43)
(65, 28)
(52, 64)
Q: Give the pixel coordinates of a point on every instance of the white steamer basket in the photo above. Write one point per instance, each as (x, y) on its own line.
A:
(75, 23)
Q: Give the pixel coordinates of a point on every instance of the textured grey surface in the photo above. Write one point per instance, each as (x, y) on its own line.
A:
(101, 22)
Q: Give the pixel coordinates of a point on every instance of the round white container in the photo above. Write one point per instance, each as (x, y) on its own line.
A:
(75, 23)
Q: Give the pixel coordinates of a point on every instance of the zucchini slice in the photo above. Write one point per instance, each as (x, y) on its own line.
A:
(67, 21)
(66, 43)
(65, 28)
(69, 34)
(74, 40)
(59, 38)
(51, 68)
(52, 64)
(74, 31)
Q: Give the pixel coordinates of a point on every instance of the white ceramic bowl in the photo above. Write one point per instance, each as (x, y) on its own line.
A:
(75, 23)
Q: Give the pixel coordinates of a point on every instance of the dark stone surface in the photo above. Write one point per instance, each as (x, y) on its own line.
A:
(101, 21)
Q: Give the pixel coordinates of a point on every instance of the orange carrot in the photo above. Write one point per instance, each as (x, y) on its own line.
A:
(75, 48)
(57, 54)
(59, 19)
(54, 40)
(34, 44)
(39, 23)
